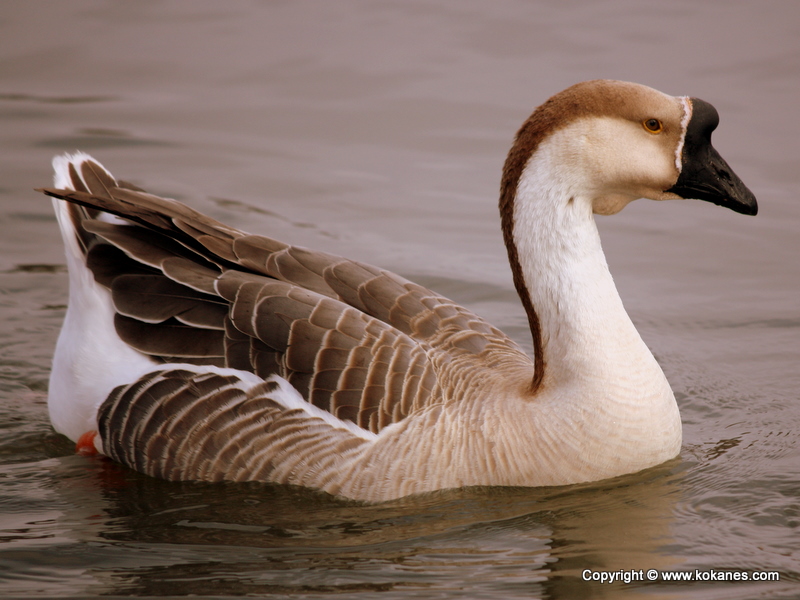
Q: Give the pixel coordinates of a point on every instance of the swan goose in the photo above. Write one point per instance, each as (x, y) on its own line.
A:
(193, 351)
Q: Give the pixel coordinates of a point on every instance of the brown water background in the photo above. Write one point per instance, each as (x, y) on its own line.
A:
(377, 130)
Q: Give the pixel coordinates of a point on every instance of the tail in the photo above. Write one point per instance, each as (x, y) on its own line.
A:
(90, 358)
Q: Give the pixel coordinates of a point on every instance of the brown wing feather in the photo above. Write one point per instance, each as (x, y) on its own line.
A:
(179, 425)
(355, 340)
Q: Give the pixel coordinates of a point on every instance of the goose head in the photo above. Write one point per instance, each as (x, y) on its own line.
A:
(593, 148)
(616, 141)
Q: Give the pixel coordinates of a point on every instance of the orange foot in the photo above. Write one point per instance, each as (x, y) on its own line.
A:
(85, 445)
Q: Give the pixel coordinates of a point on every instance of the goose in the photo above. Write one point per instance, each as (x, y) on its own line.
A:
(193, 351)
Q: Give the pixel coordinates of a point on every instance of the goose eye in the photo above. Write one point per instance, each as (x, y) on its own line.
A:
(653, 125)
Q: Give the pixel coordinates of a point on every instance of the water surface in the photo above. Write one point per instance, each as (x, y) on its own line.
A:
(377, 131)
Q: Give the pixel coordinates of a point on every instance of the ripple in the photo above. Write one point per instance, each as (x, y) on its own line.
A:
(43, 99)
(99, 139)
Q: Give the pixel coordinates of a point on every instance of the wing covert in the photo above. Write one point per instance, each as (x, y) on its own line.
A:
(360, 342)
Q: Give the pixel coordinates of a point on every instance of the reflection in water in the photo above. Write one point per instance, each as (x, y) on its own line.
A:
(160, 538)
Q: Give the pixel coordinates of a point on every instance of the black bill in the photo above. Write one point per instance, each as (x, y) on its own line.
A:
(704, 174)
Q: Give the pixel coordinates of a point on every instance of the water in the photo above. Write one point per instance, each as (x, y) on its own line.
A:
(377, 131)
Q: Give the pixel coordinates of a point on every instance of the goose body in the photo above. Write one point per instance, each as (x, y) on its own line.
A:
(194, 351)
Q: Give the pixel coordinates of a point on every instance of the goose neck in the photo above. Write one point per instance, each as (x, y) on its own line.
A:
(584, 329)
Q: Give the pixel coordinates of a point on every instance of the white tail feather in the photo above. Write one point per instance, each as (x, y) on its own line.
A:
(90, 358)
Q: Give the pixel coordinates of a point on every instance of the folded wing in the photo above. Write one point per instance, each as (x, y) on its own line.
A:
(360, 342)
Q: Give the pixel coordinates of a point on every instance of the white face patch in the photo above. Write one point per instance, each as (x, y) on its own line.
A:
(687, 116)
